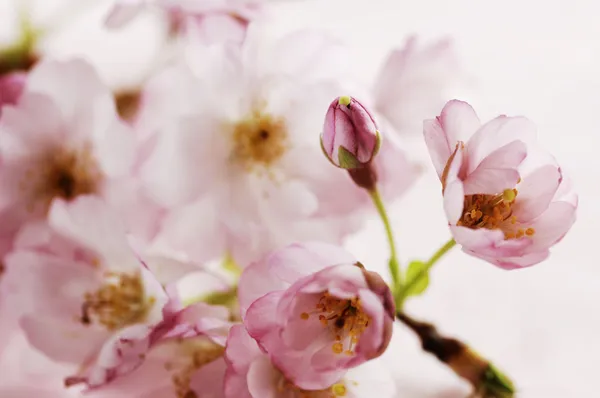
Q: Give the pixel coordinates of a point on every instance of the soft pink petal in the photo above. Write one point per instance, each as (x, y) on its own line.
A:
(123, 13)
(65, 343)
(551, 226)
(262, 378)
(261, 317)
(437, 144)
(511, 263)
(454, 197)
(241, 349)
(459, 121)
(92, 223)
(489, 243)
(498, 171)
(495, 134)
(536, 192)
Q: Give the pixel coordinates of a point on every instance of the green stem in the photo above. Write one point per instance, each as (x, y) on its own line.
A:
(425, 271)
(394, 264)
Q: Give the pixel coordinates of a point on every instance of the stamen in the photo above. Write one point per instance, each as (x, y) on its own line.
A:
(339, 390)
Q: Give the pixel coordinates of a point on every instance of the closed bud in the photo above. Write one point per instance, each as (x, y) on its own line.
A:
(350, 138)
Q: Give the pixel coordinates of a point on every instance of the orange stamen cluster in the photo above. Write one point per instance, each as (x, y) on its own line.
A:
(259, 141)
(61, 173)
(345, 318)
(493, 212)
(120, 302)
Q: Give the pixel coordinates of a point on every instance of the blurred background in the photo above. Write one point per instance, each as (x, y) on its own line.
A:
(532, 58)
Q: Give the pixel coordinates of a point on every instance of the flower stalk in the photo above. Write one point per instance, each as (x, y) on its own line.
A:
(487, 381)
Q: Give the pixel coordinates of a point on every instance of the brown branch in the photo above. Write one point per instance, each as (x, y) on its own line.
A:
(487, 381)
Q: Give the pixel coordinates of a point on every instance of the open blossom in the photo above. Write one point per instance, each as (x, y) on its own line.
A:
(413, 81)
(64, 139)
(211, 20)
(316, 312)
(78, 277)
(182, 355)
(251, 374)
(498, 209)
(350, 137)
(251, 118)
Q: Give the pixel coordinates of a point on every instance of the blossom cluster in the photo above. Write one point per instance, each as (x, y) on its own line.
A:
(186, 241)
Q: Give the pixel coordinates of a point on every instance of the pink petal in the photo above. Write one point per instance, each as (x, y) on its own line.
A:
(551, 226)
(498, 171)
(459, 121)
(496, 134)
(511, 263)
(92, 223)
(261, 317)
(490, 243)
(123, 13)
(536, 192)
(182, 230)
(262, 378)
(454, 198)
(241, 349)
(66, 343)
(437, 144)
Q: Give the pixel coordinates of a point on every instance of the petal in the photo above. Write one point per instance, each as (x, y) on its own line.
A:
(123, 13)
(495, 134)
(115, 148)
(498, 171)
(437, 144)
(194, 229)
(241, 349)
(256, 281)
(262, 378)
(552, 225)
(454, 199)
(66, 343)
(458, 121)
(489, 243)
(261, 318)
(90, 222)
(511, 263)
(189, 157)
(536, 192)
(236, 385)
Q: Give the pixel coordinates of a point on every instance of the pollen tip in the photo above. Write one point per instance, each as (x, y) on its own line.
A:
(304, 315)
(345, 100)
(337, 348)
(509, 195)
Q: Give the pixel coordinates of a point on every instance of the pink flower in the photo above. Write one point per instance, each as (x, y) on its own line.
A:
(64, 139)
(209, 20)
(82, 290)
(500, 208)
(252, 116)
(350, 137)
(316, 312)
(183, 356)
(11, 87)
(413, 83)
(250, 374)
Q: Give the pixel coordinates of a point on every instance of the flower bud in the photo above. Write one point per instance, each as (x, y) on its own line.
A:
(350, 138)
(11, 86)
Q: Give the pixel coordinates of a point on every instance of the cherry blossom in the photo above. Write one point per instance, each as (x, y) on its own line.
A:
(498, 209)
(64, 139)
(250, 374)
(79, 277)
(252, 117)
(316, 312)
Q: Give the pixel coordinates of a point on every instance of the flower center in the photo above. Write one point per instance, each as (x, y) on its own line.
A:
(64, 174)
(344, 318)
(335, 391)
(259, 141)
(120, 302)
(191, 355)
(493, 212)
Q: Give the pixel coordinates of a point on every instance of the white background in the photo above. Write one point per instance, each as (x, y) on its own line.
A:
(536, 58)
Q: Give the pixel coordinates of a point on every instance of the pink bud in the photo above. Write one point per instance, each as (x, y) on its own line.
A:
(350, 136)
(11, 87)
